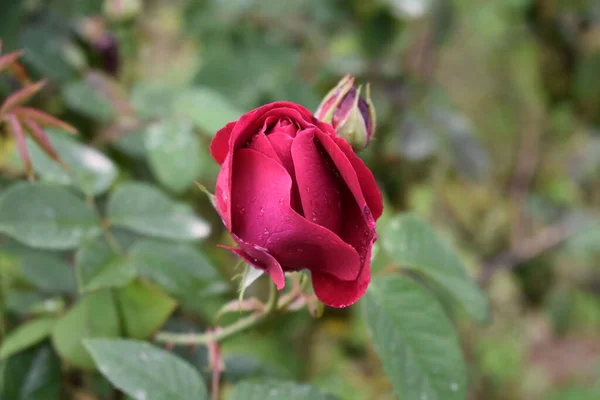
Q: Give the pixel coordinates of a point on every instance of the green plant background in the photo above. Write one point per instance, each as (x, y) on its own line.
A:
(487, 151)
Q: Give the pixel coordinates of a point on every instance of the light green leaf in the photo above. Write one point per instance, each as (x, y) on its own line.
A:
(101, 267)
(94, 315)
(34, 374)
(276, 390)
(146, 210)
(89, 170)
(46, 216)
(178, 268)
(415, 340)
(174, 153)
(144, 309)
(413, 245)
(209, 110)
(26, 336)
(146, 372)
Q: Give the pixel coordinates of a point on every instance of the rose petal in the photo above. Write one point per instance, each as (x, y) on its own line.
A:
(336, 293)
(317, 183)
(282, 144)
(247, 126)
(347, 172)
(261, 144)
(262, 216)
(260, 258)
(219, 147)
(358, 224)
(252, 122)
(366, 179)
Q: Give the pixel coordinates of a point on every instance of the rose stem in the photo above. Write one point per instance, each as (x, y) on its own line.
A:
(222, 334)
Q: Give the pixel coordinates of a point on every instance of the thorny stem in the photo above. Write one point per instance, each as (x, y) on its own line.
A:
(231, 330)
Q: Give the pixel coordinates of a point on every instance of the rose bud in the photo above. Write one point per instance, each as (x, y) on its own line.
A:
(295, 196)
(352, 115)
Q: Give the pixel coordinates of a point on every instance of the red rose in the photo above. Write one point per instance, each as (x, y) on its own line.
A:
(295, 196)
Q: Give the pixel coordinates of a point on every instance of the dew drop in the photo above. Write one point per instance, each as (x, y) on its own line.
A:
(281, 200)
(299, 250)
(262, 211)
(454, 386)
(266, 231)
(143, 356)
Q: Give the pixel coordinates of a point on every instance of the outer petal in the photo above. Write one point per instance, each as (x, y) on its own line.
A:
(337, 293)
(247, 126)
(262, 216)
(219, 147)
(260, 258)
(317, 183)
(366, 179)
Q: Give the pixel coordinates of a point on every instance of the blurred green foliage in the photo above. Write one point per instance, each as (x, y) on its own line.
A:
(488, 127)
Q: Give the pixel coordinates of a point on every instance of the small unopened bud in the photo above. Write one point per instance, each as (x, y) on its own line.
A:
(351, 115)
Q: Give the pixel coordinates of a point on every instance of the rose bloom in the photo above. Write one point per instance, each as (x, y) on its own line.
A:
(295, 196)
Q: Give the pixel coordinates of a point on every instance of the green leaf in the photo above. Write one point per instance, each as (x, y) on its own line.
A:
(26, 336)
(46, 271)
(208, 109)
(46, 216)
(273, 389)
(146, 372)
(146, 210)
(413, 245)
(144, 309)
(32, 375)
(153, 100)
(81, 97)
(174, 153)
(178, 268)
(415, 340)
(101, 267)
(94, 315)
(89, 170)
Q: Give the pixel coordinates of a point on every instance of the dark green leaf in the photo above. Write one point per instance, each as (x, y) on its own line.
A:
(146, 372)
(47, 272)
(415, 340)
(146, 210)
(46, 216)
(103, 267)
(32, 375)
(178, 268)
(413, 245)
